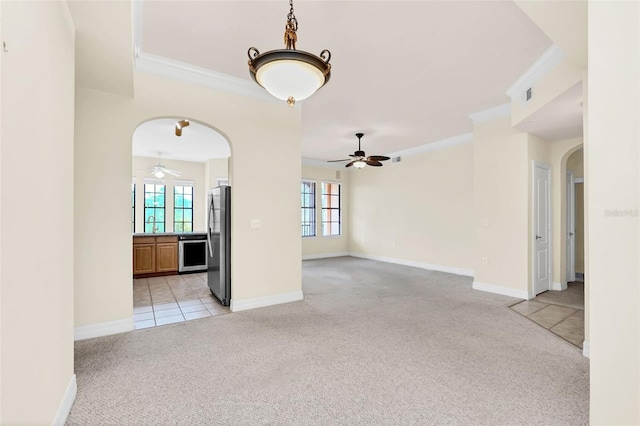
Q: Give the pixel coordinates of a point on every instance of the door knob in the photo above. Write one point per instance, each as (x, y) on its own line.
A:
(571, 234)
(538, 237)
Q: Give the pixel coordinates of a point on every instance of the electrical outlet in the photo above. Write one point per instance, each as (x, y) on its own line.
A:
(255, 223)
(484, 223)
(485, 261)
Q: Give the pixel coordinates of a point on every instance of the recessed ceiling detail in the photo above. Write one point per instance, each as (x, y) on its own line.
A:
(199, 144)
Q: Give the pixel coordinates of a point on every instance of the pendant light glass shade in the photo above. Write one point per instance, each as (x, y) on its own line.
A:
(286, 79)
(289, 74)
(360, 164)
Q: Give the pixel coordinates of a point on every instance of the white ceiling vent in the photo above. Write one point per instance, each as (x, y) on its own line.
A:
(528, 94)
(396, 159)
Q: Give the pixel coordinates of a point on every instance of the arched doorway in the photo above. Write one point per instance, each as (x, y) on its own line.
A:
(175, 162)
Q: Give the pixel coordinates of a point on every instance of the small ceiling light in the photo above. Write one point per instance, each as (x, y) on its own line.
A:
(180, 125)
(159, 174)
(360, 164)
(289, 74)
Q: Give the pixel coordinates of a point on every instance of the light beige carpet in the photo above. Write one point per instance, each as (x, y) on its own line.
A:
(371, 344)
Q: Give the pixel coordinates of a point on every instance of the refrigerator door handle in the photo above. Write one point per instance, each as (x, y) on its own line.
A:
(210, 226)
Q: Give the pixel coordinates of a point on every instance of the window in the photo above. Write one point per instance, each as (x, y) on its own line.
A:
(133, 207)
(308, 202)
(154, 202)
(330, 208)
(183, 208)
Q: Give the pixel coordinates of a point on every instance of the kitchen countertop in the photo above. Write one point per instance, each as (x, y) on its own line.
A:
(165, 234)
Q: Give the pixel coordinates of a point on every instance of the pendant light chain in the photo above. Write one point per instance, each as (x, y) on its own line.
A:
(290, 35)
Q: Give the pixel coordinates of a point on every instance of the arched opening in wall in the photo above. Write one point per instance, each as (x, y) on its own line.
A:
(180, 221)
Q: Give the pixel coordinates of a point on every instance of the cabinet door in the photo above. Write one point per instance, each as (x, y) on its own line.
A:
(166, 257)
(144, 258)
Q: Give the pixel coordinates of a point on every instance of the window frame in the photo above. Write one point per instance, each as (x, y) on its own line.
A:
(155, 183)
(182, 185)
(312, 223)
(330, 208)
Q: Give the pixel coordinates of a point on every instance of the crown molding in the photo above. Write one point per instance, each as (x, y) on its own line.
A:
(545, 63)
(201, 76)
(491, 114)
(434, 146)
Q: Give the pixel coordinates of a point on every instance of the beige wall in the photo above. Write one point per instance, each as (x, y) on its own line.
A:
(575, 163)
(560, 152)
(418, 210)
(501, 173)
(189, 171)
(322, 246)
(266, 261)
(36, 216)
(612, 155)
(216, 168)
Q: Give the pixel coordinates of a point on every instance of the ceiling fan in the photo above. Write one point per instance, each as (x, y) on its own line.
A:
(359, 158)
(159, 170)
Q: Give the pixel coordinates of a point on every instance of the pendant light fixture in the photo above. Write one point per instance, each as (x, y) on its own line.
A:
(289, 74)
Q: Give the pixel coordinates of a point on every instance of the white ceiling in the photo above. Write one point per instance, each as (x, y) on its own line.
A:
(404, 73)
(198, 143)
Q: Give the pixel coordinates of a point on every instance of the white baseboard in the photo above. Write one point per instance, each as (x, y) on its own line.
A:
(67, 402)
(429, 266)
(103, 329)
(260, 302)
(558, 286)
(505, 291)
(324, 255)
(586, 349)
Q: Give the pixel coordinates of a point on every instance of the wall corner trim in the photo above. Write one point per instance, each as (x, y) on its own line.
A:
(505, 291)
(415, 264)
(66, 403)
(545, 63)
(558, 286)
(324, 255)
(586, 349)
(261, 302)
(103, 329)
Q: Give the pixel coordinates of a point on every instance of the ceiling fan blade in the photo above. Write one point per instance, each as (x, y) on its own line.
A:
(350, 164)
(334, 161)
(172, 172)
(378, 158)
(373, 163)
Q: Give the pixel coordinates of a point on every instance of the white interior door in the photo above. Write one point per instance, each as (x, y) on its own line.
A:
(541, 227)
(571, 227)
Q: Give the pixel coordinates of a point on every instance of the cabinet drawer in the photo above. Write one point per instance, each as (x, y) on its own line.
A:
(167, 239)
(144, 240)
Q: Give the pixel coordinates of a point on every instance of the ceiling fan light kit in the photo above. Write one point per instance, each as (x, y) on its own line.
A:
(289, 74)
(159, 171)
(360, 159)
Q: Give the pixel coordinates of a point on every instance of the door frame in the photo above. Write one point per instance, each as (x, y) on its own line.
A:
(571, 229)
(532, 229)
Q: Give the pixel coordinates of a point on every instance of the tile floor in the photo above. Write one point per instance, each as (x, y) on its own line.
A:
(564, 321)
(174, 298)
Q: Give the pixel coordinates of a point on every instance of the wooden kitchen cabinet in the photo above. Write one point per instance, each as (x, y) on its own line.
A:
(155, 256)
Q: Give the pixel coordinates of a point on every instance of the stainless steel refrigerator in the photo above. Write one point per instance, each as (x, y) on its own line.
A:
(219, 238)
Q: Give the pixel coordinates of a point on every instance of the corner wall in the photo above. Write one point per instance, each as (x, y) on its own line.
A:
(37, 383)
